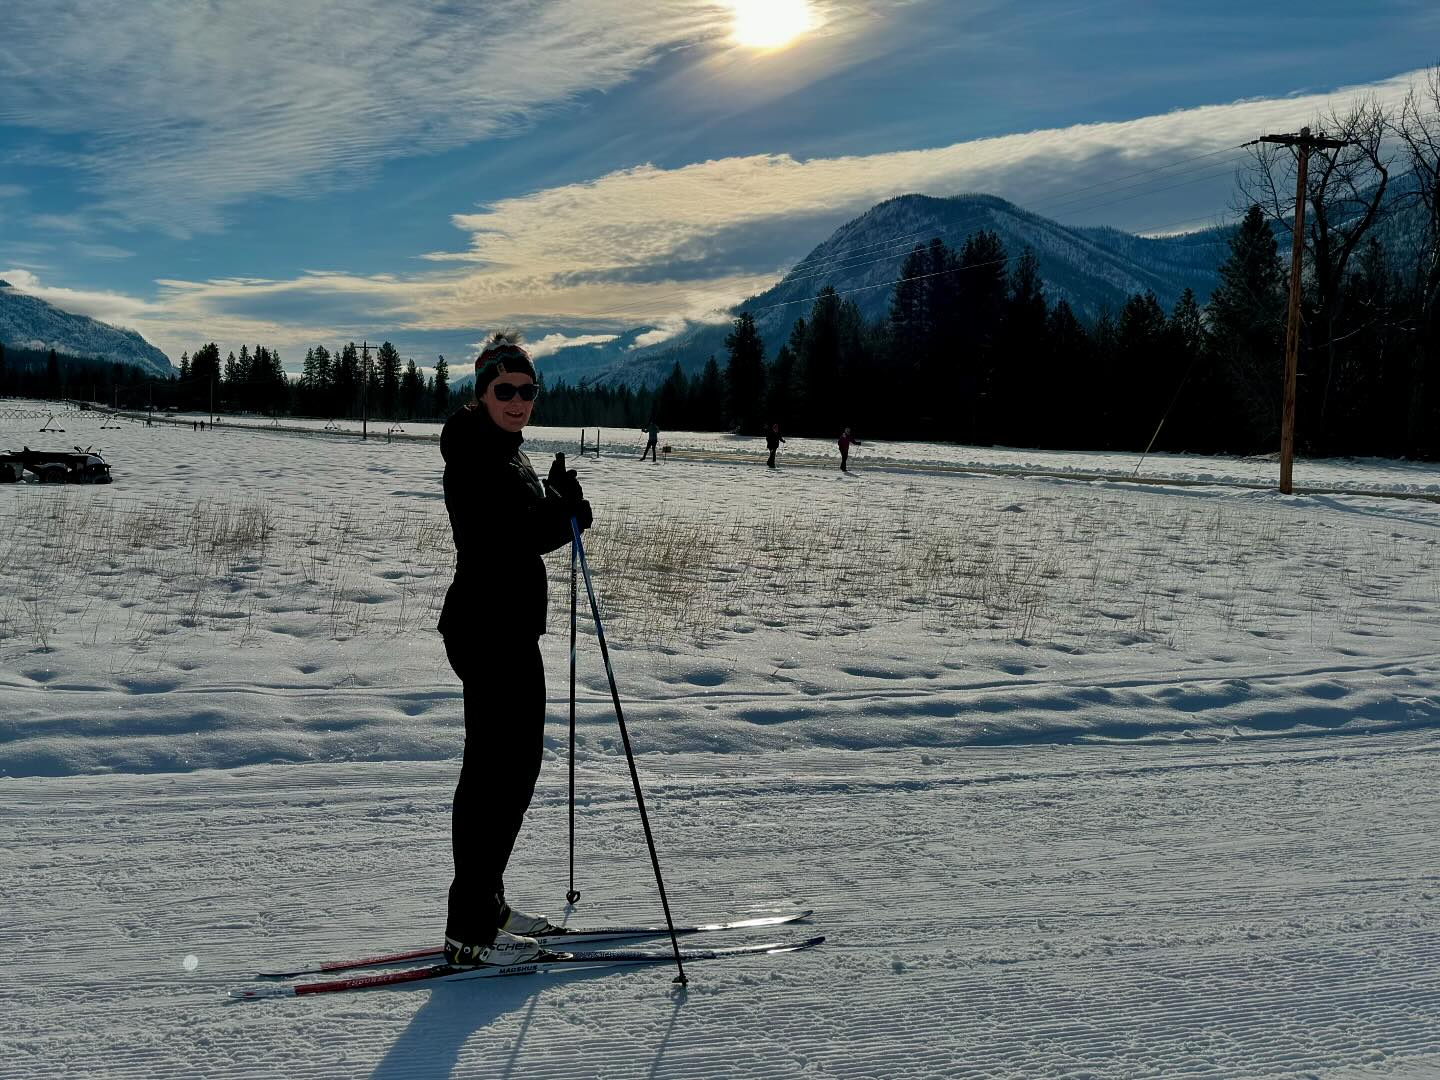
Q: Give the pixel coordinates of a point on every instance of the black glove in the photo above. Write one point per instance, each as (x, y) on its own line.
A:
(563, 481)
(580, 511)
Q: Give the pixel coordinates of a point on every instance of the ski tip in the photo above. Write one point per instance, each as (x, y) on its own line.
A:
(796, 946)
(257, 993)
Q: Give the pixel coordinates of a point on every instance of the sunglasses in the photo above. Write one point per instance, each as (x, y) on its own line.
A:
(504, 391)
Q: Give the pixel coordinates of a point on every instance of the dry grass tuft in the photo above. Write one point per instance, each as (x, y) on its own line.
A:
(1088, 571)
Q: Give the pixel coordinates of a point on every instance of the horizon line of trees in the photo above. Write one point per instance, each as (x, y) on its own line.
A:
(971, 351)
(250, 382)
(50, 374)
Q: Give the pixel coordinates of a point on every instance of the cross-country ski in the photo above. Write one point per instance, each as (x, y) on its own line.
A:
(553, 937)
(545, 961)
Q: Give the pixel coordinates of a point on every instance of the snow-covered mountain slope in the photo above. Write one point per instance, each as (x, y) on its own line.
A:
(1093, 269)
(27, 322)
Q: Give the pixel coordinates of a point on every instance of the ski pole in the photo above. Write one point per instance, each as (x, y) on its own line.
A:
(574, 894)
(579, 548)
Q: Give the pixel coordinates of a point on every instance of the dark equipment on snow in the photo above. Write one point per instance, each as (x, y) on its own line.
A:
(54, 466)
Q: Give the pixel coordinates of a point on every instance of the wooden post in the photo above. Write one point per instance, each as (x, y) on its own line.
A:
(1303, 143)
(364, 389)
(1292, 322)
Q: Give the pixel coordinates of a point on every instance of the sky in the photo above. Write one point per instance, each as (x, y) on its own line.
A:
(298, 173)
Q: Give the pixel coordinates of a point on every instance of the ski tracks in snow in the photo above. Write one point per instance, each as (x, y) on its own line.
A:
(1244, 909)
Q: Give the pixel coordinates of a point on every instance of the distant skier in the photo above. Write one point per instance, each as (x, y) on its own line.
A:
(846, 441)
(503, 520)
(653, 434)
(773, 441)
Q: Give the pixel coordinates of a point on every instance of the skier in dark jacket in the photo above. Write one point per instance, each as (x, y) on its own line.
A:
(652, 437)
(846, 441)
(503, 520)
(773, 441)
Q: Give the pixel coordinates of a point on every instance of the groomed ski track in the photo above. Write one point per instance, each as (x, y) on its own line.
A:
(1246, 908)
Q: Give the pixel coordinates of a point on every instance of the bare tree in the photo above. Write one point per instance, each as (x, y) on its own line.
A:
(1345, 199)
(1417, 130)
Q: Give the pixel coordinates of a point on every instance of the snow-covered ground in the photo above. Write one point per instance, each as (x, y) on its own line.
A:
(1082, 777)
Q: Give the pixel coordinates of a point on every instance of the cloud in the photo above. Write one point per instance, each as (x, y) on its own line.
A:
(574, 251)
(652, 217)
(110, 307)
(67, 223)
(12, 191)
(552, 343)
(278, 97)
(103, 251)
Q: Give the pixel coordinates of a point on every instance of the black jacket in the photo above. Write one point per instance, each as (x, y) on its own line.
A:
(503, 519)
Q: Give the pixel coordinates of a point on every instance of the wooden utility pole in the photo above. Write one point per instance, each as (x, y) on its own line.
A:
(364, 390)
(1304, 142)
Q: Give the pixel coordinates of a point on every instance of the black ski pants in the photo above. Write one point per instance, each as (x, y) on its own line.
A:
(504, 741)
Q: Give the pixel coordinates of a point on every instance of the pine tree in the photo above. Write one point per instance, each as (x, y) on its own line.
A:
(411, 387)
(671, 400)
(387, 364)
(205, 376)
(709, 409)
(1067, 402)
(910, 322)
(323, 386)
(1246, 316)
(276, 393)
(1142, 376)
(968, 332)
(440, 399)
(1100, 383)
(819, 363)
(1021, 362)
(1375, 380)
(53, 388)
(346, 400)
(782, 397)
(1194, 398)
(745, 374)
(230, 379)
(370, 396)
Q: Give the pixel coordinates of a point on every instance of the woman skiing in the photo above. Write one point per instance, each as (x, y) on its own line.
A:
(503, 520)
(846, 441)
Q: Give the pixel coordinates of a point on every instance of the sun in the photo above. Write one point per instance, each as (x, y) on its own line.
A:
(770, 24)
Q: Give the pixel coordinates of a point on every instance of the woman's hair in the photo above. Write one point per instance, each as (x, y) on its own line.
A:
(502, 337)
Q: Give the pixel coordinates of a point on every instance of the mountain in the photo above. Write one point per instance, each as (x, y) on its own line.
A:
(27, 322)
(1094, 269)
(579, 363)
